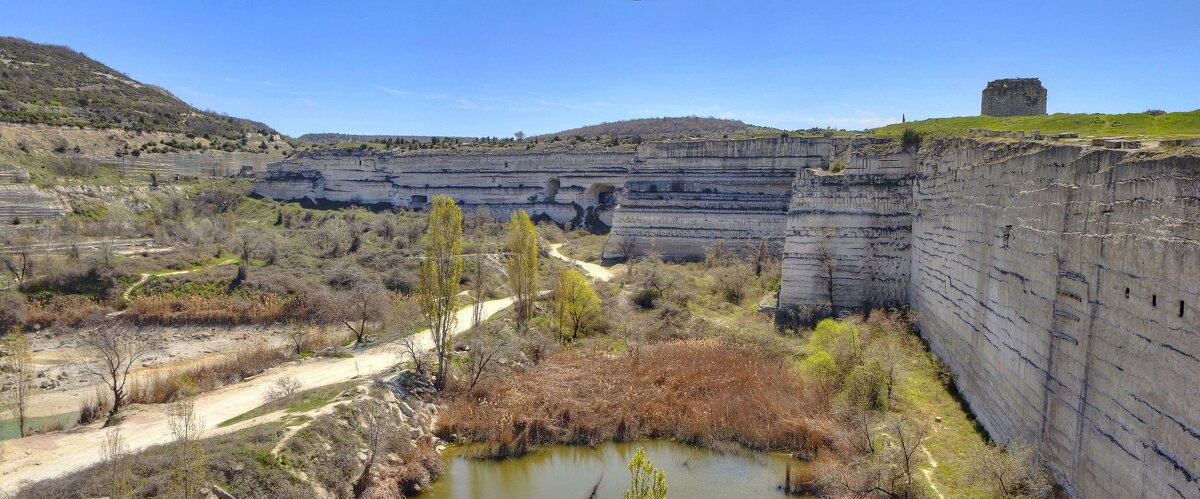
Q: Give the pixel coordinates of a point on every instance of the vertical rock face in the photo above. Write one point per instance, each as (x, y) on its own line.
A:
(196, 163)
(848, 235)
(1059, 283)
(573, 188)
(681, 197)
(1014, 97)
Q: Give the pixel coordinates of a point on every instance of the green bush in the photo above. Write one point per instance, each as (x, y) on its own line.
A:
(910, 140)
(866, 386)
(840, 339)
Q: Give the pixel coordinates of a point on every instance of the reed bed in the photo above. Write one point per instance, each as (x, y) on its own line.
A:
(64, 310)
(699, 392)
(168, 310)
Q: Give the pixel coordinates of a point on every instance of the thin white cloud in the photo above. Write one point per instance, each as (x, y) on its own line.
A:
(393, 91)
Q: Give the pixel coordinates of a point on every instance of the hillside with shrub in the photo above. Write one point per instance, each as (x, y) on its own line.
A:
(54, 85)
(686, 127)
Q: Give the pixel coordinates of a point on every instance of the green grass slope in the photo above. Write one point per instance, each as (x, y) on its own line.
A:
(1095, 125)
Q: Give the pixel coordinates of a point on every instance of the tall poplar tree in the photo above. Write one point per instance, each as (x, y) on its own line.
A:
(522, 265)
(440, 273)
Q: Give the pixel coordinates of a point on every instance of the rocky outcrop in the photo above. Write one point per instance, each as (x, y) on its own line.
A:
(194, 164)
(377, 444)
(576, 188)
(23, 205)
(681, 197)
(1059, 283)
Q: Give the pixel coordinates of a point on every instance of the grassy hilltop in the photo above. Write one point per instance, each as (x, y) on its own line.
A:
(1146, 124)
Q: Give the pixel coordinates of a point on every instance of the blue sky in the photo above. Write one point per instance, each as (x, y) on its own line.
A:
(492, 67)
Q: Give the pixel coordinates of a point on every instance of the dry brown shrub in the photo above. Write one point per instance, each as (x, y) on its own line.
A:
(166, 310)
(697, 391)
(162, 386)
(95, 407)
(64, 310)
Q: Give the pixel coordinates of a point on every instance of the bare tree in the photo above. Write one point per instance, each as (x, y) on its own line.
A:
(519, 135)
(376, 440)
(190, 470)
(627, 246)
(112, 351)
(366, 301)
(386, 228)
(296, 333)
(826, 261)
(631, 333)
(69, 228)
(758, 254)
(485, 352)
(718, 254)
(1013, 472)
(116, 463)
(415, 353)
(18, 359)
(282, 388)
(106, 249)
(479, 220)
(18, 257)
(247, 243)
(889, 471)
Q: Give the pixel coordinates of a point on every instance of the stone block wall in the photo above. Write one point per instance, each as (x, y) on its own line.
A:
(1014, 97)
(1059, 283)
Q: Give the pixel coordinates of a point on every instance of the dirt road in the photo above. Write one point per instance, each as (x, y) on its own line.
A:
(46, 456)
(596, 271)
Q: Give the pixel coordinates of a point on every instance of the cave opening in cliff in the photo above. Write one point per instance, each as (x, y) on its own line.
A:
(552, 186)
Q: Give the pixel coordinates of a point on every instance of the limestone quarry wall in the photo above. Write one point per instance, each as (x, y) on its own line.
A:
(681, 197)
(567, 187)
(1060, 284)
(195, 163)
(848, 236)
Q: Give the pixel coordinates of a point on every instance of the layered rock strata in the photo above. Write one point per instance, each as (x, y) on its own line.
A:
(848, 235)
(1059, 283)
(577, 188)
(682, 197)
(195, 164)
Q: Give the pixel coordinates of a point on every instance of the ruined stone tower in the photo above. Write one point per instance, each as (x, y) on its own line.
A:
(1014, 97)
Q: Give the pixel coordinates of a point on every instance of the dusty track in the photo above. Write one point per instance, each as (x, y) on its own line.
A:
(40, 457)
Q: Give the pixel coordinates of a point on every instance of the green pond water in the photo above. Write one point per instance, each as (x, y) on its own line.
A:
(10, 429)
(570, 472)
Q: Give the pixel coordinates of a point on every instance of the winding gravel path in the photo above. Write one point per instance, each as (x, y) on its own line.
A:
(40, 457)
